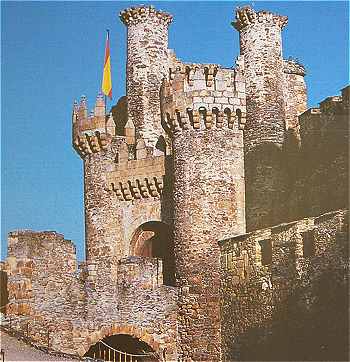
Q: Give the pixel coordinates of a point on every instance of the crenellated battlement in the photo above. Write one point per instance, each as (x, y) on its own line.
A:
(203, 96)
(89, 122)
(246, 16)
(91, 132)
(190, 186)
(134, 15)
(194, 77)
(283, 249)
(322, 119)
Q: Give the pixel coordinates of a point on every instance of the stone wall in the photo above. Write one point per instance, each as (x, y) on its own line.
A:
(277, 291)
(137, 299)
(48, 293)
(44, 284)
(321, 183)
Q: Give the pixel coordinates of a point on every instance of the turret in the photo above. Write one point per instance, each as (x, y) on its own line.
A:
(261, 49)
(147, 65)
(203, 109)
(91, 133)
(295, 93)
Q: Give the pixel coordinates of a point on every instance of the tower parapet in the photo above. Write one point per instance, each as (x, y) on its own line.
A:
(91, 132)
(135, 15)
(246, 17)
(203, 96)
(147, 65)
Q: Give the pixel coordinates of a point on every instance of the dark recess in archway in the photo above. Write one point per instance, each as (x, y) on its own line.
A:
(124, 343)
(4, 298)
(154, 239)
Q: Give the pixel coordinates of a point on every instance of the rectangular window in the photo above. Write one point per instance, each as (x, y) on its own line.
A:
(229, 261)
(266, 251)
(308, 244)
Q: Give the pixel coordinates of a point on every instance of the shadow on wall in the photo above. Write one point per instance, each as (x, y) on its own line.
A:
(309, 323)
(120, 115)
(266, 180)
(153, 239)
(123, 343)
(4, 298)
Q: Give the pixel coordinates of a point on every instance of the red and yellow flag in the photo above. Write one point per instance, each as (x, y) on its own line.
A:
(107, 79)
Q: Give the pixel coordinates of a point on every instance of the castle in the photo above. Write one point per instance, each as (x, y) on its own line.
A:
(213, 196)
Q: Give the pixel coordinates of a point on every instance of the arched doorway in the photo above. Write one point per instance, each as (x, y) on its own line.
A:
(154, 239)
(122, 347)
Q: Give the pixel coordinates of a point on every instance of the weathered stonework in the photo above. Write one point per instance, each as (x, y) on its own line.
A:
(261, 49)
(323, 174)
(263, 271)
(147, 65)
(295, 93)
(207, 141)
(190, 158)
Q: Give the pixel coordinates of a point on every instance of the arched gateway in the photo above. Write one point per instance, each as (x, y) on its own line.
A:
(122, 347)
(123, 343)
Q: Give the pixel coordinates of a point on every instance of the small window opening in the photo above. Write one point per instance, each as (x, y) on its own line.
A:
(308, 244)
(266, 252)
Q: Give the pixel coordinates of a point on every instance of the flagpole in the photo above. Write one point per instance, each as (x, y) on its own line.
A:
(106, 78)
(107, 30)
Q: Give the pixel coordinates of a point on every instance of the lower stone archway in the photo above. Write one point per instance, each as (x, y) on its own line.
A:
(142, 335)
(120, 347)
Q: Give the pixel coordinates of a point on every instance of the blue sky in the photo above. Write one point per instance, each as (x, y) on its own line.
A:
(52, 53)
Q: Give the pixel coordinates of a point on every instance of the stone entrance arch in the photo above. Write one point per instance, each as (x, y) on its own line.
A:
(134, 349)
(139, 336)
(155, 239)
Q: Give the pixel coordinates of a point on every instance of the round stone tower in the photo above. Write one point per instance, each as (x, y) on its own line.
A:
(203, 108)
(147, 65)
(261, 48)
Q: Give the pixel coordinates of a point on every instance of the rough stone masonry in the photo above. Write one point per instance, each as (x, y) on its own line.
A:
(215, 211)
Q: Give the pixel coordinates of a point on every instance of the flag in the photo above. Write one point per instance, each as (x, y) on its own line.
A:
(107, 79)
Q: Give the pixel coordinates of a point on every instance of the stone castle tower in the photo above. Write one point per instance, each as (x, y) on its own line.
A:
(195, 154)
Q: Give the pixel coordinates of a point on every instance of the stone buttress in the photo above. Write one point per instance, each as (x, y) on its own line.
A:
(203, 108)
(261, 49)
